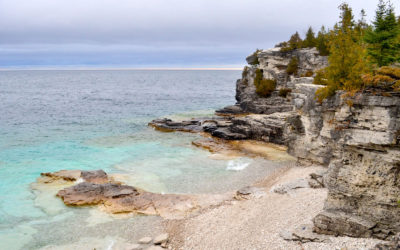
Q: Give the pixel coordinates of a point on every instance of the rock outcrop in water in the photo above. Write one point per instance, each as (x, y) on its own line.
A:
(89, 188)
(356, 137)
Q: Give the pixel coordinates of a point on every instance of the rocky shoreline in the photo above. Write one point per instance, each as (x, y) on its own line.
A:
(346, 198)
(356, 137)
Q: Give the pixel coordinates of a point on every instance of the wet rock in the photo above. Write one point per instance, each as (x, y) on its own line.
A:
(96, 176)
(91, 193)
(117, 198)
(227, 134)
(145, 240)
(168, 125)
(162, 238)
(67, 175)
(230, 110)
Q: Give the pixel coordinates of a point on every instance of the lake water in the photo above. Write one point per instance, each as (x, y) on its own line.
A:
(53, 120)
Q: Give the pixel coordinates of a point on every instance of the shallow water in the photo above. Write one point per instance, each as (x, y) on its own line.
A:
(53, 120)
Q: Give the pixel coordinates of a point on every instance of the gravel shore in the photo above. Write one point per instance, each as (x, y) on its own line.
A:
(256, 223)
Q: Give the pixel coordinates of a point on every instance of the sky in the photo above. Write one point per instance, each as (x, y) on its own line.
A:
(155, 33)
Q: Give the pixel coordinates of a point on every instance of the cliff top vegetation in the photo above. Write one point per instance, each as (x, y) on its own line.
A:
(360, 55)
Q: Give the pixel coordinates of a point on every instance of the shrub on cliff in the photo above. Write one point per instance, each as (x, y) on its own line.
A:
(320, 77)
(293, 66)
(384, 78)
(245, 73)
(283, 92)
(264, 87)
(309, 73)
(383, 39)
(347, 58)
(255, 62)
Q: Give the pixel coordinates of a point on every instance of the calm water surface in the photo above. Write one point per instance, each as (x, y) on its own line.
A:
(53, 120)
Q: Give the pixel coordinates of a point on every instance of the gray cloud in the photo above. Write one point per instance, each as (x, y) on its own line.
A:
(154, 32)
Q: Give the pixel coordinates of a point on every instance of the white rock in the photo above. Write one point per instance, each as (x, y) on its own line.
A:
(145, 240)
(161, 238)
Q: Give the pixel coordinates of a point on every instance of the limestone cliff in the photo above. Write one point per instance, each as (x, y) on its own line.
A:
(356, 137)
(273, 64)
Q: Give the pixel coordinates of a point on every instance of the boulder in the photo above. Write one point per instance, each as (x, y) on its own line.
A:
(162, 238)
(145, 240)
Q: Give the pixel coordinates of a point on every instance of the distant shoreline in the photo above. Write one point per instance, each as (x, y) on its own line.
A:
(121, 69)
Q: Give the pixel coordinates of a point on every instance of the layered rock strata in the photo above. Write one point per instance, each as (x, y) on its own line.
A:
(357, 137)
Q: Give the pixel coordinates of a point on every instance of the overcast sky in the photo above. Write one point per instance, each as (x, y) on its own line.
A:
(155, 33)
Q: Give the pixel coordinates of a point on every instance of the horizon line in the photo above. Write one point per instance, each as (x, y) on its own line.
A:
(112, 68)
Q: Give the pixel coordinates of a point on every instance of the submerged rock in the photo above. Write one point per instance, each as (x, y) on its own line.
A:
(95, 176)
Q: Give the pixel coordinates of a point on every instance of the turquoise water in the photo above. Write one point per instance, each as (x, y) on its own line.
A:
(53, 120)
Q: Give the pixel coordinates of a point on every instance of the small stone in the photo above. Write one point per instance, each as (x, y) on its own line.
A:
(161, 239)
(145, 240)
(134, 247)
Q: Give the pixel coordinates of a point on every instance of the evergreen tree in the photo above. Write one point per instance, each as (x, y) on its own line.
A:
(383, 41)
(321, 42)
(309, 41)
(294, 42)
(346, 60)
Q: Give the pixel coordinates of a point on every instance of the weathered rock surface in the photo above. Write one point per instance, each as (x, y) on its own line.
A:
(357, 137)
(115, 197)
(273, 128)
(360, 144)
(162, 238)
(304, 234)
(95, 176)
(290, 186)
(86, 193)
(393, 244)
(274, 63)
(145, 240)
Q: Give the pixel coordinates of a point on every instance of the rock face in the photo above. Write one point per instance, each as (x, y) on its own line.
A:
(269, 128)
(357, 137)
(274, 63)
(361, 145)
